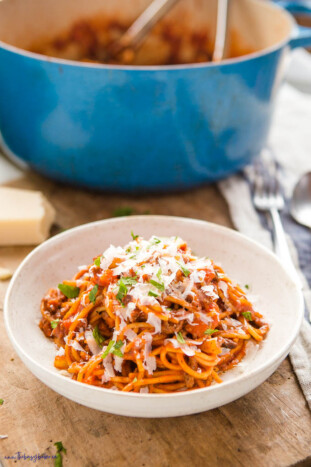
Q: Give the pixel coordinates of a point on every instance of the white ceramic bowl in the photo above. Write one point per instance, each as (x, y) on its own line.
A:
(277, 298)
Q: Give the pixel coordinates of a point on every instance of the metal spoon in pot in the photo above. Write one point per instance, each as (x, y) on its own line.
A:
(141, 26)
(221, 30)
(301, 201)
(136, 33)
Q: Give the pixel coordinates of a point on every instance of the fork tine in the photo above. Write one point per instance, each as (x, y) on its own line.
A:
(269, 175)
(264, 181)
(258, 179)
(274, 172)
(267, 191)
(268, 197)
(271, 168)
(276, 180)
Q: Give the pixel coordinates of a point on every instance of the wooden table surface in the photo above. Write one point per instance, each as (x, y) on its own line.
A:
(271, 426)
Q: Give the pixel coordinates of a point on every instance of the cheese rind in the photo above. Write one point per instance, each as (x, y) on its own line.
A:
(25, 217)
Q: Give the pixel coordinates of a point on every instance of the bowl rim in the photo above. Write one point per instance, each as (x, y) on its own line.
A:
(225, 230)
(157, 68)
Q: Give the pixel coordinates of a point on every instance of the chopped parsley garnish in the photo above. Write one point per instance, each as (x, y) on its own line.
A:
(60, 447)
(70, 291)
(159, 274)
(129, 280)
(247, 315)
(114, 348)
(128, 250)
(180, 338)
(58, 462)
(109, 349)
(210, 331)
(158, 285)
(99, 339)
(143, 266)
(97, 261)
(54, 323)
(92, 294)
(152, 294)
(117, 347)
(184, 270)
(1, 401)
(124, 283)
(122, 291)
(134, 236)
(155, 241)
(246, 286)
(123, 211)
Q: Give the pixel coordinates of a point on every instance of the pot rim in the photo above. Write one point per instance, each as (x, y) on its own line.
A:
(158, 68)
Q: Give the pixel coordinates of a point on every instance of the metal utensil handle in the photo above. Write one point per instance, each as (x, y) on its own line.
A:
(281, 246)
(221, 30)
(156, 10)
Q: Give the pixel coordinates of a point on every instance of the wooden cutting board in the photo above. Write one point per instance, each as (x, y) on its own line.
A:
(271, 426)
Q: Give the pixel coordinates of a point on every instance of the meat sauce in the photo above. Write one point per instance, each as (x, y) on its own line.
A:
(167, 44)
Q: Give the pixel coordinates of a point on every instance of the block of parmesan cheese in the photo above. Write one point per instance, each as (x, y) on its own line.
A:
(25, 217)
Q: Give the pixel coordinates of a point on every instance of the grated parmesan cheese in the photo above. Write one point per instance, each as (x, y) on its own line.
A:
(60, 352)
(118, 363)
(155, 322)
(109, 371)
(209, 291)
(130, 334)
(93, 346)
(187, 350)
(149, 362)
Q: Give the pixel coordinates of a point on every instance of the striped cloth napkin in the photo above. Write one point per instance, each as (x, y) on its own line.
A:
(290, 141)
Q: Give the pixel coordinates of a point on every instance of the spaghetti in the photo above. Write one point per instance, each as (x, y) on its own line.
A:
(150, 317)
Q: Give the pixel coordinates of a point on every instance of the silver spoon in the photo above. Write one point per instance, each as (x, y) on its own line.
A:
(221, 30)
(142, 25)
(300, 207)
(136, 33)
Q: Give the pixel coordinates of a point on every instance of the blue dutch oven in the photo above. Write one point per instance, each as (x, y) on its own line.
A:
(138, 129)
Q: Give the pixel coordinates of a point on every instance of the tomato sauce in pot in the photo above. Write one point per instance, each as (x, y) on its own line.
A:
(169, 43)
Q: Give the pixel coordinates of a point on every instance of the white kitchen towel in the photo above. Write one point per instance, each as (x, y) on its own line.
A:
(290, 141)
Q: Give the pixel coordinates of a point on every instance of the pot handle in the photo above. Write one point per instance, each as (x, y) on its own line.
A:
(302, 35)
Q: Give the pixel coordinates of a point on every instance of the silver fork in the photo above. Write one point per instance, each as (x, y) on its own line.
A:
(268, 197)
